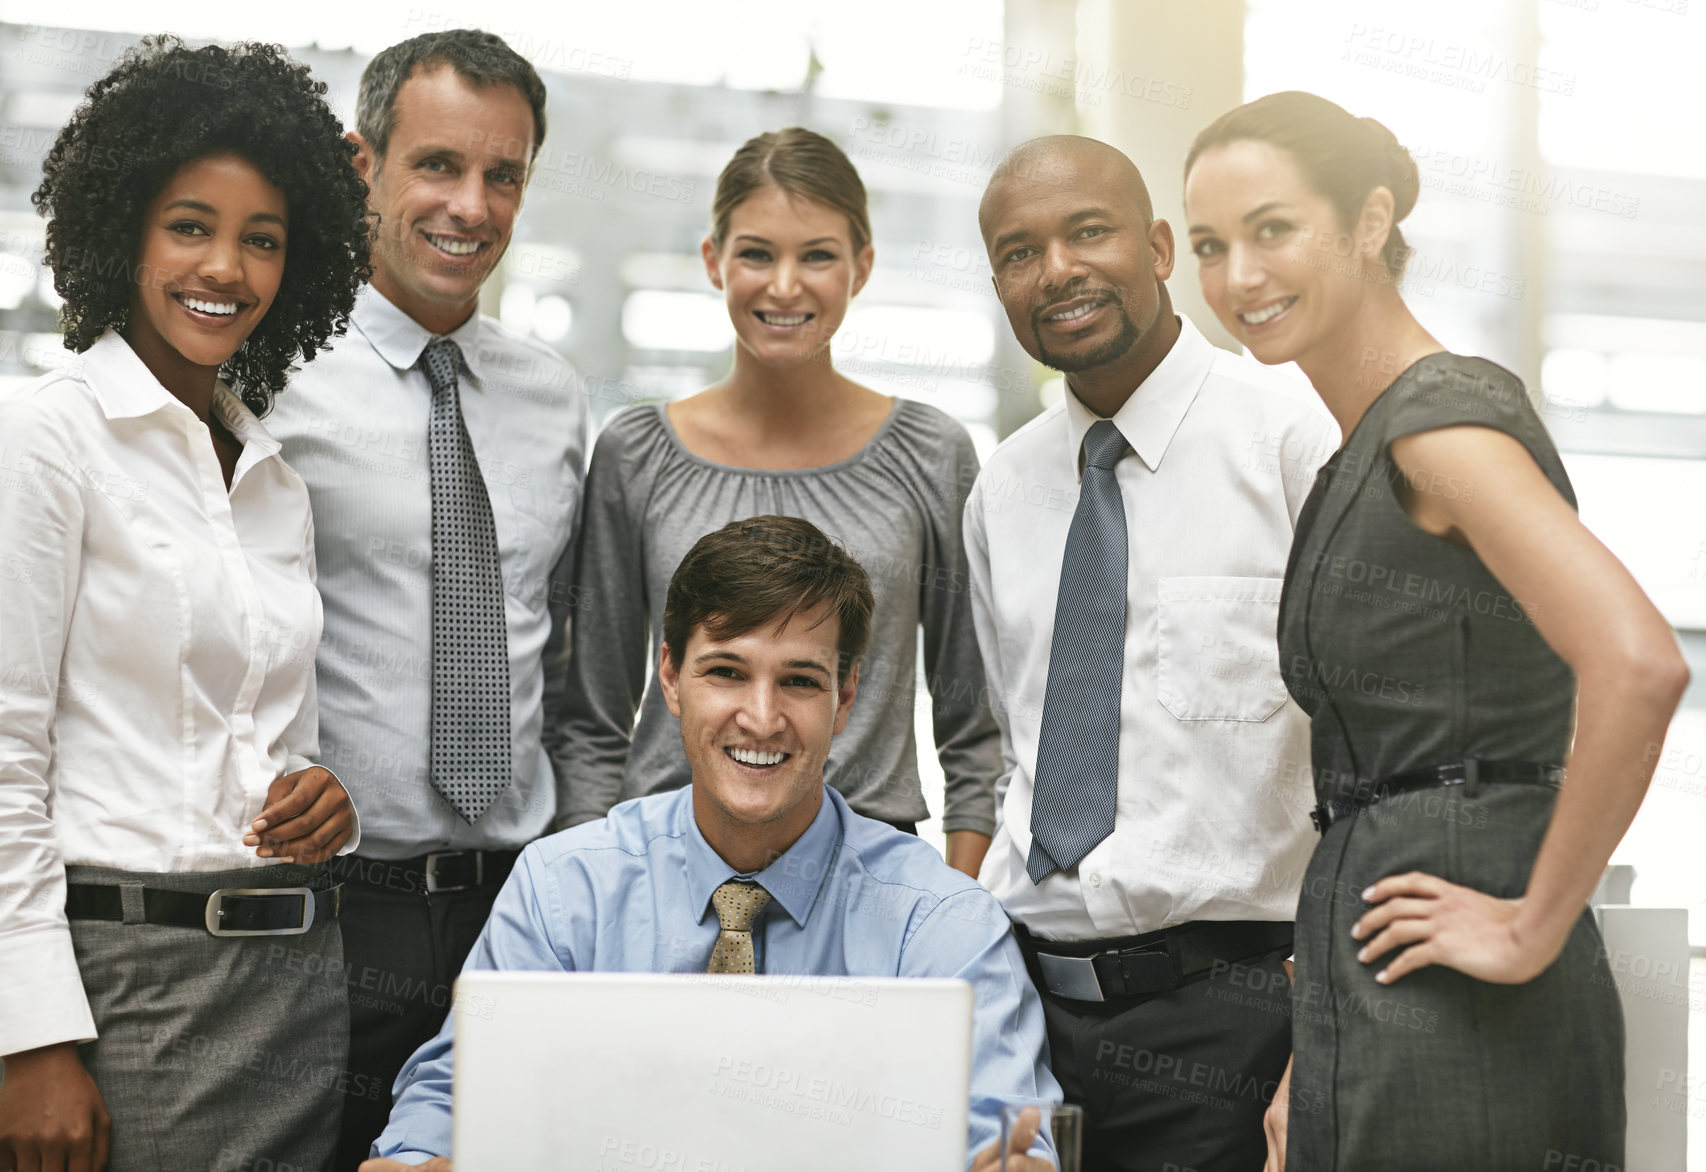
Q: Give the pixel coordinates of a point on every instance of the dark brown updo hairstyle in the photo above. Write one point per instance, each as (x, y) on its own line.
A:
(1342, 156)
(802, 163)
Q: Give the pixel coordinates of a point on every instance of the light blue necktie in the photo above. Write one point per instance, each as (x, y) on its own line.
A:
(470, 638)
(1078, 747)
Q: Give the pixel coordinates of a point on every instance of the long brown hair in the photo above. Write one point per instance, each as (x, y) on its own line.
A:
(802, 163)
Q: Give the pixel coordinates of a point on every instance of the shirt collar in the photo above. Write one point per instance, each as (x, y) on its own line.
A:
(241, 422)
(126, 389)
(399, 339)
(1151, 415)
(793, 880)
(122, 383)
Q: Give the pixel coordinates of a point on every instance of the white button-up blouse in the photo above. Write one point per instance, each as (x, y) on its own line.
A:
(157, 642)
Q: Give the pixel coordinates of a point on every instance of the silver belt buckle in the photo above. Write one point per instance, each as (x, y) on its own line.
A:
(432, 884)
(1073, 977)
(214, 911)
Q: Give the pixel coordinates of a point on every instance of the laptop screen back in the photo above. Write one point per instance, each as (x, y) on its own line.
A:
(625, 1072)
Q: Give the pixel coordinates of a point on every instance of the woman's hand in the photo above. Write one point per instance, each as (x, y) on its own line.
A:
(308, 818)
(51, 1114)
(966, 849)
(1276, 1121)
(1458, 927)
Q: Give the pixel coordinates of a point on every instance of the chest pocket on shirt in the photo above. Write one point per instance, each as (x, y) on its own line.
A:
(1217, 648)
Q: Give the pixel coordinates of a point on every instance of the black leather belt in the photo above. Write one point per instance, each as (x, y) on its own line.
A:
(436, 873)
(1156, 962)
(1470, 772)
(230, 911)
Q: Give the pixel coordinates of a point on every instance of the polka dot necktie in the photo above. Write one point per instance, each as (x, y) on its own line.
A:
(470, 641)
(1078, 743)
(738, 905)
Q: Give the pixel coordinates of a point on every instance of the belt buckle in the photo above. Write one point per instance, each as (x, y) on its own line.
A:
(432, 884)
(1337, 809)
(1072, 977)
(214, 911)
(1152, 969)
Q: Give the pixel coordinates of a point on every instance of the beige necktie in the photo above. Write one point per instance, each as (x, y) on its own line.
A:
(738, 905)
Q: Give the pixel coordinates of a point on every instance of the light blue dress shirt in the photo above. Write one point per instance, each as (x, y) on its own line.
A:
(853, 897)
(353, 424)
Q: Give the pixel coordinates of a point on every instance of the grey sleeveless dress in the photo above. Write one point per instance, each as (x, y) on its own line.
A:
(1407, 652)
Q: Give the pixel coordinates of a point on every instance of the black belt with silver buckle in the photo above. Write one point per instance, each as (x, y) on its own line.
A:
(436, 873)
(230, 911)
(1156, 962)
(453, 870)
(1470, 772)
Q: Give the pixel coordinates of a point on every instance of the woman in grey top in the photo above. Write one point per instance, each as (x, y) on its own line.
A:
(790, 246)
(1453, 1005)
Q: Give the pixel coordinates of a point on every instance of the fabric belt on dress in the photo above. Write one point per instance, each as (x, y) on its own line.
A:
(436, 873)
(230, 911)
(1155, 962)
(1469, 772)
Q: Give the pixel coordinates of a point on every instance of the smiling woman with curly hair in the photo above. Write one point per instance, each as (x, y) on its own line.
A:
(171, 988)
(163, 107)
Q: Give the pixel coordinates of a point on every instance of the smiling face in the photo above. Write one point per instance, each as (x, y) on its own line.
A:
(209, 263)
(1278, 267)
(788, 269)
(758, 712)
(1077, 264)
(447, 192)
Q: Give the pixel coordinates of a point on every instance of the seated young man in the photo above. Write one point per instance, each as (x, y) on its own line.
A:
(764, 625)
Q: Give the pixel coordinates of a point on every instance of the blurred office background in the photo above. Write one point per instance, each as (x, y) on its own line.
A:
(1560, 230)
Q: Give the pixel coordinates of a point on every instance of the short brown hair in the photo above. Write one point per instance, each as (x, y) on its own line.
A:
(479, 58)
(767, 570)
(802, 163)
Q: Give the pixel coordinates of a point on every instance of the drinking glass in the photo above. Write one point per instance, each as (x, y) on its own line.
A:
(1063, 1123)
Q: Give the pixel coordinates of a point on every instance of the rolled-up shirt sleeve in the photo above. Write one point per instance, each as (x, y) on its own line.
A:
(967, 936)
(41, 523)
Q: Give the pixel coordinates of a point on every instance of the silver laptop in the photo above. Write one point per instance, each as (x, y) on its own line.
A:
(629, 1072)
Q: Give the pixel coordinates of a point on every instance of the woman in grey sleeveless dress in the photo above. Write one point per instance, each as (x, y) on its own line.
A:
(1452, 1004)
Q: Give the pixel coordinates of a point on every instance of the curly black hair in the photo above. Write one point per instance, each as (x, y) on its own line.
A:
(164, 106)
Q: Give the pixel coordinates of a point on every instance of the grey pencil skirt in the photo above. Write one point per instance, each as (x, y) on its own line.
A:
(217, 1053)
(1440, 1070)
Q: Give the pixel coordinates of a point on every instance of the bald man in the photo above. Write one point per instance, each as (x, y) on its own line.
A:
(1127, 548)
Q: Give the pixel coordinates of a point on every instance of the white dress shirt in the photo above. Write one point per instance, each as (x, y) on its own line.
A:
(354, 424)
(157, 637)
(1212, 816)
